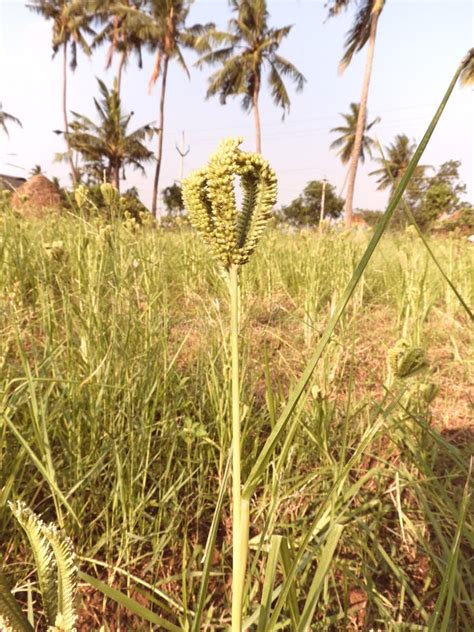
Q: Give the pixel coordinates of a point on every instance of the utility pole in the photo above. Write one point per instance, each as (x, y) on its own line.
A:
(183, 153)
(323, 202)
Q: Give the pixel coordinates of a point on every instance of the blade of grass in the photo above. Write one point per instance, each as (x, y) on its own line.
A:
(324, 564)
(286, 558)
(321, 518)
(41, 468)
(446, 590)
(207, 558)
(130, 604)
(270, 574)
(273, 439)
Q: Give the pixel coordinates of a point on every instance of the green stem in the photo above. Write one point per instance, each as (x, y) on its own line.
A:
(239, 547)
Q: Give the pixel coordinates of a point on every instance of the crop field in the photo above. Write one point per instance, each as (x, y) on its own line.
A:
(115, 422)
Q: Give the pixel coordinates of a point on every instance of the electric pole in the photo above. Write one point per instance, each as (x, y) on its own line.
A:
(183, 153)
(323, 202)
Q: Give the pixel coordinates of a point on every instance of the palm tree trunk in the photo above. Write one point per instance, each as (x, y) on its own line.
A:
(115, 175)
(120, 70)
(66, 123)
(256, 114)
(355, 157)
(159, 151)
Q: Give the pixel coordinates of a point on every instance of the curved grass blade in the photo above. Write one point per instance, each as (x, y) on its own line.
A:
(324, 565)
(211, 540)
(274, 437)
(41, 468)
(446, 591)
(270, 574)
(129, 603)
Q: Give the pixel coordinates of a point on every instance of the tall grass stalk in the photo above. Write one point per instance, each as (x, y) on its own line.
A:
(233, 236)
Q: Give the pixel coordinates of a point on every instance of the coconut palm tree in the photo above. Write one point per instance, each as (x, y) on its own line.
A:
(5, 117)
(122, 22)
(345, 143)
(246, 49)
(165, 31)
(395, 163)
(363, 31)
(107, 146)
(71, 22)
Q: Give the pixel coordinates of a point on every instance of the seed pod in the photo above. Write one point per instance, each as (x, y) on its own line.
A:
(405, 360)
(81, 196)
(209, 197)
(110, 194)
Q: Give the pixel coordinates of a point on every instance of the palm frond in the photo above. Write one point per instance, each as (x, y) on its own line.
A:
(278, 90)
(249, 46)
(288, 69)
(358, 34)
(467, 73)
(215, 57)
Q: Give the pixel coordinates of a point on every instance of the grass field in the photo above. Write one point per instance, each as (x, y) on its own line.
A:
(115, 421)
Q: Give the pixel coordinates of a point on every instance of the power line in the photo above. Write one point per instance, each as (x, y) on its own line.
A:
(301, 133)
(298, 121)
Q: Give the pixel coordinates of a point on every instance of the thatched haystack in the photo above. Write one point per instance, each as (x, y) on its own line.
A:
(37, 197)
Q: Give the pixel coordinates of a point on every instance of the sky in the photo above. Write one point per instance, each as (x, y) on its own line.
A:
(419, 45)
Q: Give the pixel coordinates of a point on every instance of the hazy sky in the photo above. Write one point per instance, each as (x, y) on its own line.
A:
(419, 45)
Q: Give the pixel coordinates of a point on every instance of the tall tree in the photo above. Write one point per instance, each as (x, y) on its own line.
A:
(5, 117)
(71, 22)
(305, 210)
(166, 34)
(395, 162)
(363, 31)
(442, 195)
(344, 144)
(122, 23)
(108, 145)
(249, 46)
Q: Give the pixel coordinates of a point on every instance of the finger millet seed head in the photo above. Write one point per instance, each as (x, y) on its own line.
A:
(209, 197)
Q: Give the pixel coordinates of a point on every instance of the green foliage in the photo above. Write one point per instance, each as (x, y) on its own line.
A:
(71, 22)
(103, 200)
(122, 23)
(395, 163)
(107, 147)
(111, 348)
(353, 490)
(345, 143)
(462, 222)
(369, 216)
(440, 195)
(249, 46)
(359, 33)
(305, 210)
(173, 201)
